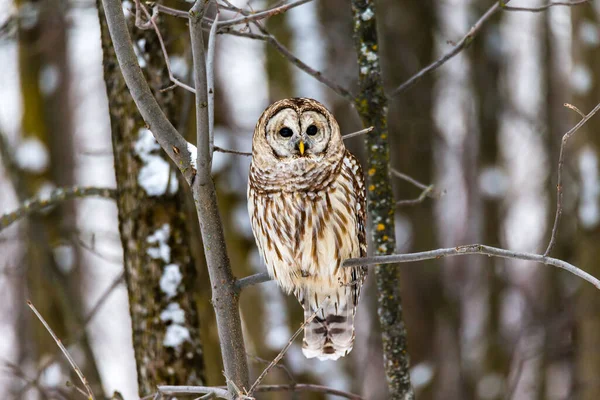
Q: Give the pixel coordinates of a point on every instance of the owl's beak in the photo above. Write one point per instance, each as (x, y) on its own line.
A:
(301, 147)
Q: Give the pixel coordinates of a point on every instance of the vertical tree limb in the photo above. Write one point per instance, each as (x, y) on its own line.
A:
(225, 297)
(372, 107)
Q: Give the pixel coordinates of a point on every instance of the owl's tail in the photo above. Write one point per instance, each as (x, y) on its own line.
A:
(330, 335)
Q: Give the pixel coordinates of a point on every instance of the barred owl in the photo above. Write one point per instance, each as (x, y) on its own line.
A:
(306, 199)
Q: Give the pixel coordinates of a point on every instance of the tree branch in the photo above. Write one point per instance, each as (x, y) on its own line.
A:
(224, 292)
(252, 280)
(462, 44)
(262, 15)
(545, 7)
(561, 160)
(303, 387)
(472, 249)
(56, 196)
(165, 133)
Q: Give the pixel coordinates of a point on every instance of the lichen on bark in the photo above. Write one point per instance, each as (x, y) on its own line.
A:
(372, 106)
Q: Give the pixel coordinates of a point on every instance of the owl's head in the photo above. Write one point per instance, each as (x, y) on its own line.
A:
(296, 129)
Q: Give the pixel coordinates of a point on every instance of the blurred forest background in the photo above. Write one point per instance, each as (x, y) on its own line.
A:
(485, 129)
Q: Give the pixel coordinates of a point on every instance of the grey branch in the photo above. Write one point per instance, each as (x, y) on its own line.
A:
(253, 280)
(559, 185)
(302, 387)
(358, 133)
(464, 42)
(545, 7)
(77, 370)
(472, 249)
(165, 133)
(448, 252)
(262, 15)
(224, 292)
(56, 196)
(170, 390)
(210, 81)
(426, 191)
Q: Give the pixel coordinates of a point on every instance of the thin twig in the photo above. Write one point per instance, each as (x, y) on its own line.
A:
(358, 133)
(219, 392)
(56, 196)
(64, 350)
(210, 80)
(262, 15)
(303, 387)
(545, 7)
(427, 192)
(152, 22)
(408, 179)
(248, 154)
(463, 43)
(285, 349)
(472, 249)
(559, 186)
(279, 366)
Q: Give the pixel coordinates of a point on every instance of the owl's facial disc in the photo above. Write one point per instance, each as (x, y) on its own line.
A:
(293, 136)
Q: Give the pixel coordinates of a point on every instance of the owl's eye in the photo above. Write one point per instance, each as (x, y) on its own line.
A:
(286, 132)
(312, 130)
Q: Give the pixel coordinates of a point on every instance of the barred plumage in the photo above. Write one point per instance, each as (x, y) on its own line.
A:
(306, 199)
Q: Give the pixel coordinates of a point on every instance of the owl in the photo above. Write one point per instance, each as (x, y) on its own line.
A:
(306, 200)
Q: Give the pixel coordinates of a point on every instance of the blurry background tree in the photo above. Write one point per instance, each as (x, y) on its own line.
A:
(485, 129)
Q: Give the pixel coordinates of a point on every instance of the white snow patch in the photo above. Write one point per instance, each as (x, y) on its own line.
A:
(173, 313)
(421, 374)
(581, 79)
(159, 238)
(32, 155)
(156, 176)
(64, 256)
(45, 191)
(52, 375)
(49, 79)
(367, 15)
(193, 154)
(364, 70)
(29, 15)
(176, 335)
(179, 66)
(589, 201)
(170, 280)
(127, 7)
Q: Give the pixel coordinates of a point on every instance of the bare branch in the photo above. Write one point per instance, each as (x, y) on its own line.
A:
(253, 280)
(303, 387)
(262, 15)
(165, 133)
(267, 37)
(64, 350)
(56, 196)
(462, 44)
(472, 249)
(285, 349)
(152, 22)
(219, 392)
(210, 81)
(408, 179)
(545, 7)
(559, 186)
(358, 133)
(427, 192)
(224, 292)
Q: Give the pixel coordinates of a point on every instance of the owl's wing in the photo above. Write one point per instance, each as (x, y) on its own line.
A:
(359, 274)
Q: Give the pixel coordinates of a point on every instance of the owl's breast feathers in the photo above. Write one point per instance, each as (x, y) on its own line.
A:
(304, 235)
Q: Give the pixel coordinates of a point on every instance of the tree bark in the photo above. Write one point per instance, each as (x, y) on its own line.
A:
(159, 264)
(372, 106)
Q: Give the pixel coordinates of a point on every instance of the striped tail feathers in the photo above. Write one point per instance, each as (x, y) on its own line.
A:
(330, 335)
